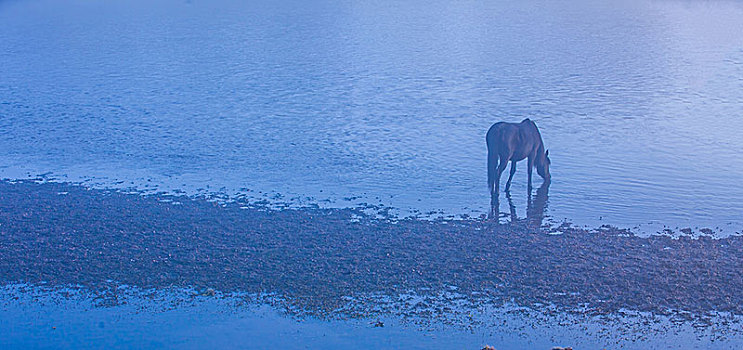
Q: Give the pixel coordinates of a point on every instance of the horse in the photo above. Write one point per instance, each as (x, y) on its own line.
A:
(514, 142)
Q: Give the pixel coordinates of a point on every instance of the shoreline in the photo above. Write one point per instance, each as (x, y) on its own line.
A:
(61, 234)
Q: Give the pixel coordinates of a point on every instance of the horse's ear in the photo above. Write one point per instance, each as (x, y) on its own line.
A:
(547, 154)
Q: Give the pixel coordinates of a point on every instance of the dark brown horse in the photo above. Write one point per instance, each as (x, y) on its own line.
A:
(514, 142)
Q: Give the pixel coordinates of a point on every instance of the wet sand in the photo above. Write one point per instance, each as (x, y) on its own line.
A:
(322, 260)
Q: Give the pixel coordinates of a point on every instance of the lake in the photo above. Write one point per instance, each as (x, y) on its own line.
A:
(639, 102)
(369, 104)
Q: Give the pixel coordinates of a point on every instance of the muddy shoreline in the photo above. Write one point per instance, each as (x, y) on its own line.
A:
(58, 234)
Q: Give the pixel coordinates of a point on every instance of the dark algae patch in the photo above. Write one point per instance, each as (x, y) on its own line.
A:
(58, 234)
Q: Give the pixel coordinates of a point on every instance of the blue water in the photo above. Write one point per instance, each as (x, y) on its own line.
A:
(639, 102)
(39, 320)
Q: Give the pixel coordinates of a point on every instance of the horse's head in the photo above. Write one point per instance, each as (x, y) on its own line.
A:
(543, 165)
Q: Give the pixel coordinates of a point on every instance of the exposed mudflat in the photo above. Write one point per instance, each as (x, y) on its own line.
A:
(58, 234)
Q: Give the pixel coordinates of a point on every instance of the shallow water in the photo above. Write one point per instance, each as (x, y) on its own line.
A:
(69, 319)
(640, 102)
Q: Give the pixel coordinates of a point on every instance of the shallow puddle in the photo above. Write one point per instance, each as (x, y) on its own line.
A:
(37, 318)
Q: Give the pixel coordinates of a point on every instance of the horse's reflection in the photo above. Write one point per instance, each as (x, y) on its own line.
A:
(535, 206)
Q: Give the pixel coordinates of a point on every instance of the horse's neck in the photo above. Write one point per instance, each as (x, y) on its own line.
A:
(540, 152)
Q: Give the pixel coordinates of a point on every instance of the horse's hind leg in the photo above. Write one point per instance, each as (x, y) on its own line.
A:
(492, 168)
(510, 176)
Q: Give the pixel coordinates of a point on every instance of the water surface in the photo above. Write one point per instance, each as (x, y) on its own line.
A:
(639, 102)
(73, 320)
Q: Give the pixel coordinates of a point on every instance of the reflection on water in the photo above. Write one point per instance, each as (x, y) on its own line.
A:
(536, 205)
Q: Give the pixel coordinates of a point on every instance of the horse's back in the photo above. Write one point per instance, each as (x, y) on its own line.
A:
(496, 128)
(500, 133)
(530, 127)
(502, 128)
(515, 139)
(504, 131)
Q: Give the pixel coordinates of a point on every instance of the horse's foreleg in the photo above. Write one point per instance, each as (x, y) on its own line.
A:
(531, 167)
(501, 167)
(510, 176)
